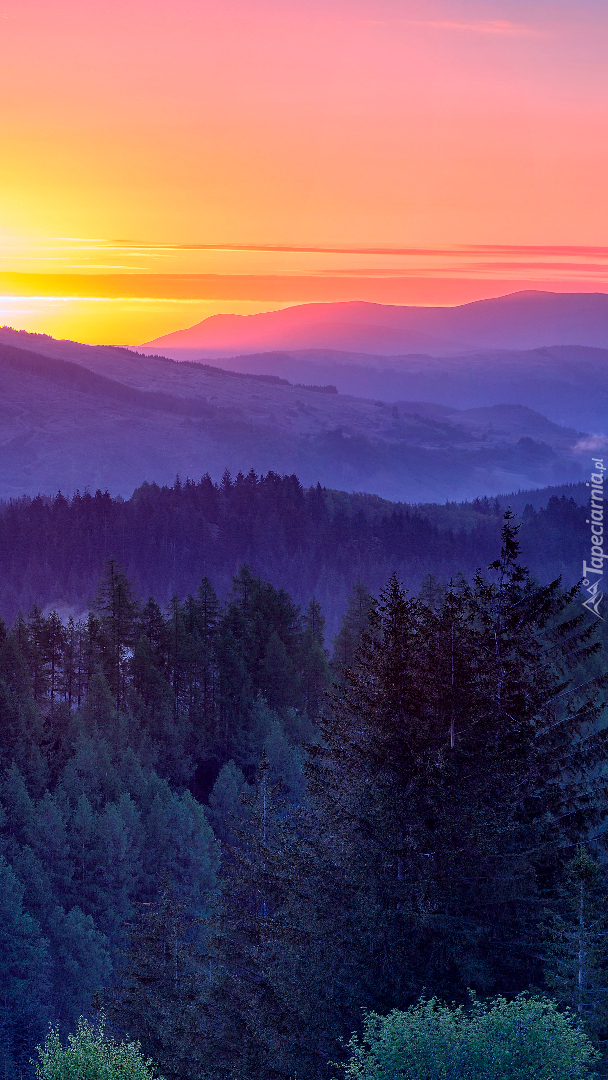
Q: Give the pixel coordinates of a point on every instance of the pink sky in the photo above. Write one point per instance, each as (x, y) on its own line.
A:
(343, 124)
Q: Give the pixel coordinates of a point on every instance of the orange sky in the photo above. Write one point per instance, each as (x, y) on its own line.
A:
(154, 154)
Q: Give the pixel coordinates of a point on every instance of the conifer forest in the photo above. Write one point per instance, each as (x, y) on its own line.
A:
(228, 831)
(303, 559)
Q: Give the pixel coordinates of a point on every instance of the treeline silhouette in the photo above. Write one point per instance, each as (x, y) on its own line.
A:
(312, 542)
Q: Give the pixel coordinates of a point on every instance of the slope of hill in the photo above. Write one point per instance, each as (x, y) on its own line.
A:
(568, 383)
(523, 320)
(99, 417)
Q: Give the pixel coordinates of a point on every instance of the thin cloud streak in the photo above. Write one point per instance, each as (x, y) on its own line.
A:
(468, 269)
(298, 288)
(460, 251)
(490, 26)
(493, 26)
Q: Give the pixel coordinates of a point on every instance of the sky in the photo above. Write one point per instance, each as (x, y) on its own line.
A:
(165, 161)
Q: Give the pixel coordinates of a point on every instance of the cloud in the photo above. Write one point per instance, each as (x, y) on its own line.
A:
(454, 252)
(189, 265)
(591, 443)
(493, 26)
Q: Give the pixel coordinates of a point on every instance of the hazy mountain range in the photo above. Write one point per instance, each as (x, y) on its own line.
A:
(547, 351)
(524, 409)
(567, 383)
(522, 320)
(75, 416)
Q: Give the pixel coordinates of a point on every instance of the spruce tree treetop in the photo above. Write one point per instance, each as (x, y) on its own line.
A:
(461, 765)
(117, 612)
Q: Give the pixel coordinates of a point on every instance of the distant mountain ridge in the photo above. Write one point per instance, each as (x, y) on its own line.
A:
(568, 383)
(521, 320)
(75, 416)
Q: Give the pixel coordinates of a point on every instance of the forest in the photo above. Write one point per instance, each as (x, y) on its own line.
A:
(230, 842)
(310, 541)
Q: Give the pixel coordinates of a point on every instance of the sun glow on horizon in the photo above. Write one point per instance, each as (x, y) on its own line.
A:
(420, 151)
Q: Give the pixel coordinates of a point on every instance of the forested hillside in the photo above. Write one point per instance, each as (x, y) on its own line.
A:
(312, 542)
(113, 732)
(234, 862)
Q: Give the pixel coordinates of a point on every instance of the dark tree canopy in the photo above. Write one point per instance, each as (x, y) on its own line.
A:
(237, 843)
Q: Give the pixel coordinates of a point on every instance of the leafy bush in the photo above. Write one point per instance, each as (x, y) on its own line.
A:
(90, 1054)
(500, 1040)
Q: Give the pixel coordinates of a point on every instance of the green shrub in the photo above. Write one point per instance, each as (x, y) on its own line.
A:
(499, 1040)
(90, 1054)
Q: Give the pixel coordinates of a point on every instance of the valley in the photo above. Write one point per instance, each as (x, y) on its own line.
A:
(76, 416)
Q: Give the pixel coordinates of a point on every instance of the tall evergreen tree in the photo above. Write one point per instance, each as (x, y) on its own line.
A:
(315, 659)
(159, 998)
(459, 759)
(24, 976)
(56, 643)
(354, 624)
(117, 613)
(576, 946)
(283, 980)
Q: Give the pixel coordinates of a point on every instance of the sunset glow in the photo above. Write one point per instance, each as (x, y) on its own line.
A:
(163, 163)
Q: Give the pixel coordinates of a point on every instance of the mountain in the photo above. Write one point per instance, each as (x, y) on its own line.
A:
(75, 416)
(567, 383)
(521, 320)
(547, 351)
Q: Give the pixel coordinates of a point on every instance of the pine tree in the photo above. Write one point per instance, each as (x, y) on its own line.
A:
(282, 982)
(160, 996)
(180, 842)
(98, 712)
(152, 701)
(69, 665)
(56, 643)
(37, 653)
(22, 735)
(207, 616)
(576, 946)
(23, 975)
(80, 963)
(315, 665)
(277, 674)
(117, 611)
(115, 852)
(354, 624)
(226, 802)
(458, 759)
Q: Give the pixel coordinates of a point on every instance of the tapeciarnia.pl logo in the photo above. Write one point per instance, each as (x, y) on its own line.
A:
(593, 572)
